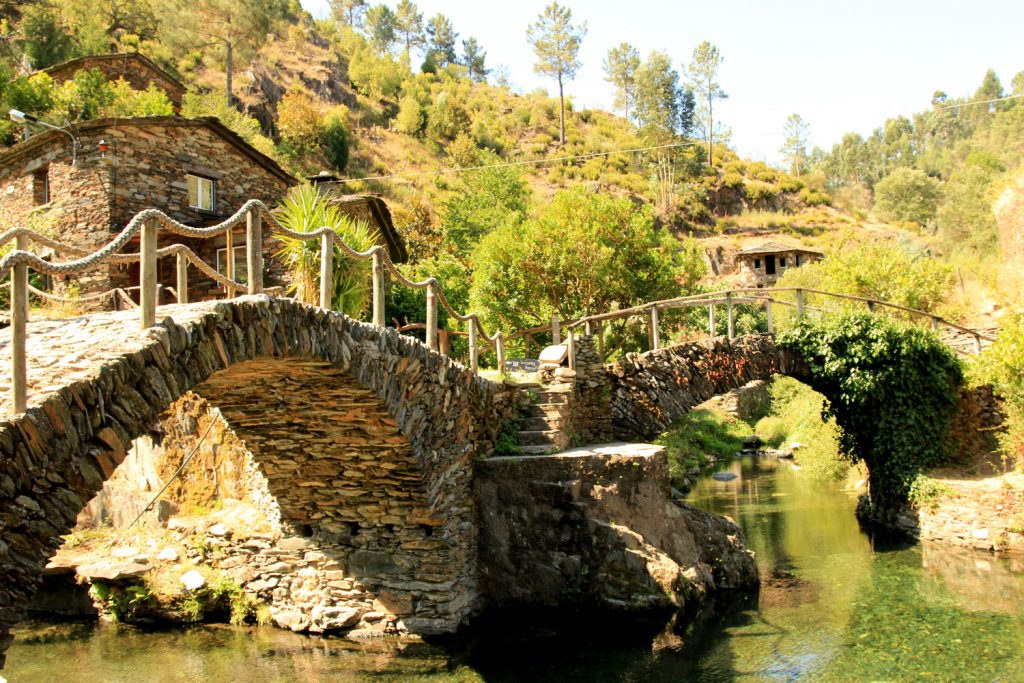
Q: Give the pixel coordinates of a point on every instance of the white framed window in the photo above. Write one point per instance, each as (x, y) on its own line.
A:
(201, 193)
(240, 264)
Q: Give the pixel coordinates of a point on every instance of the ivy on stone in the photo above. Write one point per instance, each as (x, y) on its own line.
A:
(892, 388)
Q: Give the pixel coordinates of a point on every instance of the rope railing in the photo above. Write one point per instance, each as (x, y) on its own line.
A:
(146, 225)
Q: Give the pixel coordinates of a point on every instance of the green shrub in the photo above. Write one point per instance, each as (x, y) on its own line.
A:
(812, 197)
(892, 389)
(698, 434)
(758, 191)
(336, 137)
(412, 118)
(907, 194)
(771, 430)
(732, 179)
(1002, 366)
(790, 184)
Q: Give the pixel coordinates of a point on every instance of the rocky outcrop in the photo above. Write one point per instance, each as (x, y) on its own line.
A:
(598, 527)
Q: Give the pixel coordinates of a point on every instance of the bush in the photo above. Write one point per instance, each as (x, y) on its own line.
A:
(758, 191)
(336, 137)
(1002, 366)
(796, 417)
(412, 118)
(892, 389)
(790, 184)
(732, 179)
(300, 122)
(812, 197)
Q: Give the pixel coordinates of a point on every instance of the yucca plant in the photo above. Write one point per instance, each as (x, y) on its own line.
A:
(306, 210)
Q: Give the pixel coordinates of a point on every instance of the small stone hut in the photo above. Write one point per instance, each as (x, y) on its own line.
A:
(763, 265)
(138, 70)
(195, 170)
(370, 208)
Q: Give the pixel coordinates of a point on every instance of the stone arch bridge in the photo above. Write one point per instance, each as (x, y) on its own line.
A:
(365, 438)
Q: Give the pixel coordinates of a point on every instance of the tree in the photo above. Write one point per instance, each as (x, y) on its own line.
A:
(240, 26)
(348, 12)
(47, 40)
(581, 255)
(473, 58)
(108, 24)
(702, 73)
(556, 43)
(485, 199)
(409, 25)
(442, 37)
(907, 194)
(657, 98)
(381, 26)
(795, 135)
(1018, 83)
(620, 67)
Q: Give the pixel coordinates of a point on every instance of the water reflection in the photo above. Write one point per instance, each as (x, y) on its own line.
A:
(835, 605)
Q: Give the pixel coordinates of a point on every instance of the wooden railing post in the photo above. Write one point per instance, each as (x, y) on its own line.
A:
(378, 288)
(731, 319)
(871, 306)
(326, 270)
(147, 273)
(800, 303)
(977, 343)
(600, 340)
(572, 349)
(771, 318)
(19, 320)
(588, 328)
(653, 340)
(556, 330)
(474, 358)
(935, 324)
(254, 250)
(711, 320)
(499, 345)
(229, 265)
(431, 317)
(182, 280)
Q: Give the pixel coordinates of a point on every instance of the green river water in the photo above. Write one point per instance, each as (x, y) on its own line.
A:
(835, 605)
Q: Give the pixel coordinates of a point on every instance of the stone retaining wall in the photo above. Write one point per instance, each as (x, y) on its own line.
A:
(596, 526)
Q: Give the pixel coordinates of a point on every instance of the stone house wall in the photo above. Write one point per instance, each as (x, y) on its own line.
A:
(752, 268)
(145, 166)
(139, 71)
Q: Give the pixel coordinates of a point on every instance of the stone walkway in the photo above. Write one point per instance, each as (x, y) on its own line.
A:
(62, 352)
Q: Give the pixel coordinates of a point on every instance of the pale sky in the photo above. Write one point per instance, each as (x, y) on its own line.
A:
(842, 65)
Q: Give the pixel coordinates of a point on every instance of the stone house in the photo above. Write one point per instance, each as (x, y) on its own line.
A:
(195, 170)
(370, 208)
(763, 265)
(138, 70)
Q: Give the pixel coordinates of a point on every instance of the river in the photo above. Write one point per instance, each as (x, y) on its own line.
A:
(836, 605)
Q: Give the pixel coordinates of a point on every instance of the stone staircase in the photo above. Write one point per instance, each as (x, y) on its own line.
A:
(545, 419)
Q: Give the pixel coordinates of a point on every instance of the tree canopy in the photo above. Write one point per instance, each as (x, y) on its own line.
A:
(556, 42)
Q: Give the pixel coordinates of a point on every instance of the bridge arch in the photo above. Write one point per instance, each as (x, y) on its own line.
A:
(429, 415)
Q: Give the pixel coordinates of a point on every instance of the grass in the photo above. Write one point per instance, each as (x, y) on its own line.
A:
(796, 417)
(699, 434)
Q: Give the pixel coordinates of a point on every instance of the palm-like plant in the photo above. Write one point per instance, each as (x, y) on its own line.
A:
(306, 210)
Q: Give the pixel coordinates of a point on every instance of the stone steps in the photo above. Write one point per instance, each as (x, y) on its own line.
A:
(544, 410)
(542, 423)
(550, 437)
(538, 450)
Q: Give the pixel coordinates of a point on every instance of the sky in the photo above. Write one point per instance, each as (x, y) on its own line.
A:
(842, 65)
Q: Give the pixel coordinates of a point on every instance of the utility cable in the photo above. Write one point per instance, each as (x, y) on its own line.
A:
(528, 162)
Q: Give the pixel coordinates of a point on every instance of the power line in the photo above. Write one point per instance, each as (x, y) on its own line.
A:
(970, 104)
(530, 162)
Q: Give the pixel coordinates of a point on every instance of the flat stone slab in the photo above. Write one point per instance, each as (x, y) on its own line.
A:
(553, 354)
(619, 448)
